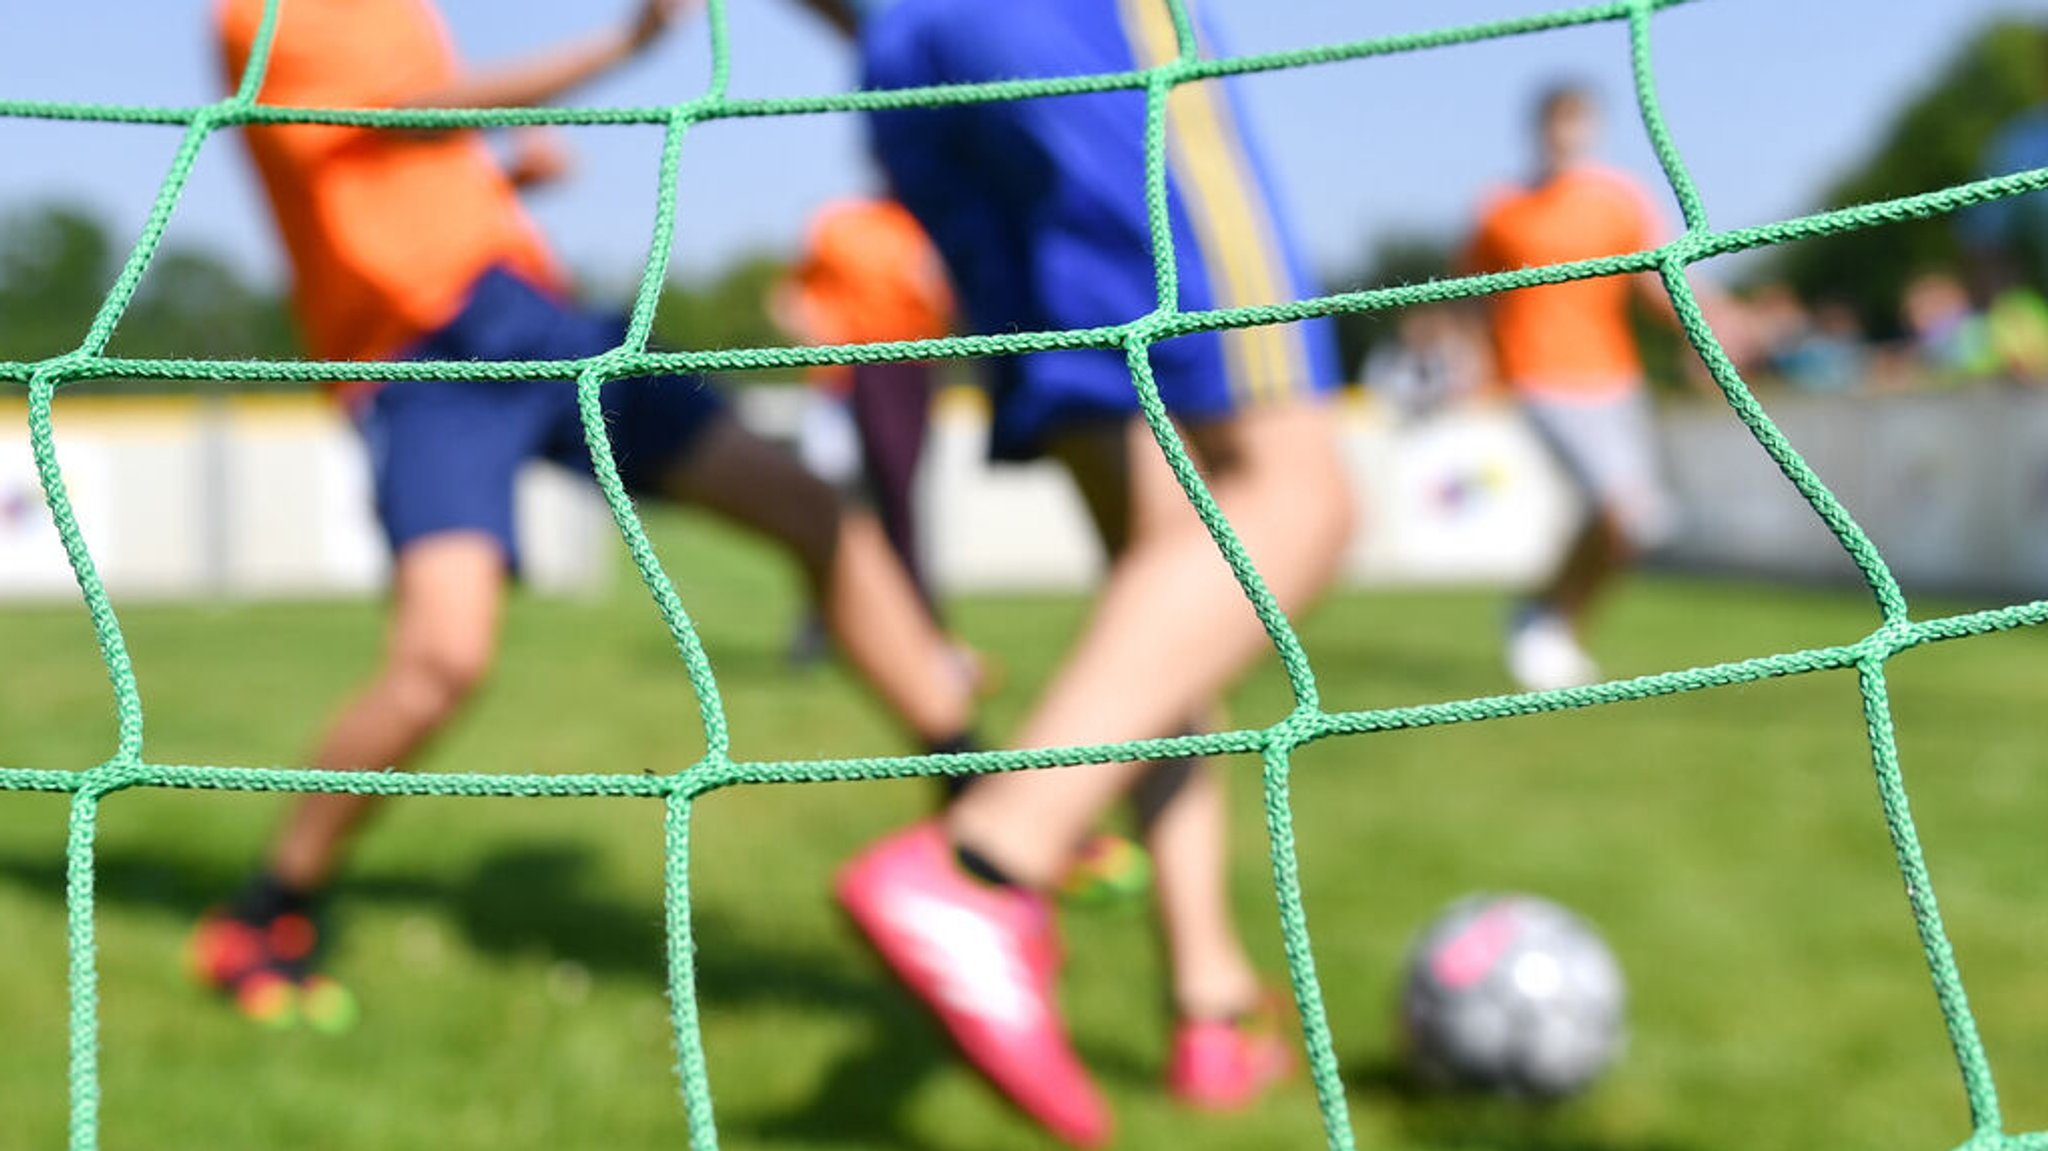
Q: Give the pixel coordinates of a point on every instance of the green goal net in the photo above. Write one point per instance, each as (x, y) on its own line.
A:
(129, 766)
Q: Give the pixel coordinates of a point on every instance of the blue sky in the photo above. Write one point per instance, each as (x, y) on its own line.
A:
(1767, 98)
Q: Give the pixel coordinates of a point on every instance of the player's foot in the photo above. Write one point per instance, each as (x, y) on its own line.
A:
(263, 964)
(1222, 1065)
(246, 961)
(1108, 869)
(983, 958)
(1544, 655)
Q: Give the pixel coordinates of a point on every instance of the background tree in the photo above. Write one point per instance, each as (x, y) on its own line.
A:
(729, 310)
(1938, 138)
(55, 265)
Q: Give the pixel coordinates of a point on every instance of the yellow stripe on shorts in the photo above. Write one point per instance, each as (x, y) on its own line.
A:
(1226, 207)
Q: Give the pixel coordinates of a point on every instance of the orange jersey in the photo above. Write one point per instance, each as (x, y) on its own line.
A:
(869, 274)
(1570, 338)
(386, 230)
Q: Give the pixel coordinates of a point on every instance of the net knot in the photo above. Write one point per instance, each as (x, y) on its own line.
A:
(1305, 724)
(117, 774)
(1895, 636)
(55, 372)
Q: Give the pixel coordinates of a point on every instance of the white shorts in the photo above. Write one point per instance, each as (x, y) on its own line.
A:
(1608, 448)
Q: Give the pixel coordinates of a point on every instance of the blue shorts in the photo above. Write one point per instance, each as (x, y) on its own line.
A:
(1039, 209)
(444, 453)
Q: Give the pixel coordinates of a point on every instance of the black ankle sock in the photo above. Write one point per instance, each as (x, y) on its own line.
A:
(953, 745)
(266, 897)
(951, 786)
(977, 865)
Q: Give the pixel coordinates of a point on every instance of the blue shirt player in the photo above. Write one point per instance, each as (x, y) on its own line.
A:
(1039, 208)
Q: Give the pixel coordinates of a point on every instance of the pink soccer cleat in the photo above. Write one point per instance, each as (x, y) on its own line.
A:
(1223, 1065)
(983, 959)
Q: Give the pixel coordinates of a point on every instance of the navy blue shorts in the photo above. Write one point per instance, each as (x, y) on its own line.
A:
(444, 453)
(1038, 207)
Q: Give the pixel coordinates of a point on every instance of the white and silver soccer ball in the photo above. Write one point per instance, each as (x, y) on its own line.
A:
(1514, 995)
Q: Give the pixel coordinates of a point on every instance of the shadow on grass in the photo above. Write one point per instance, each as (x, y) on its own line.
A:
(520, 902)
(865, 1094)
(1466, 1121)
(532, 900)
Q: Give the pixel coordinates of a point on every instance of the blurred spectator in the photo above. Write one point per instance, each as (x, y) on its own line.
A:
(2018, 324)
(2007, 239)
(2007, 245)
(1439, 355)
(1951, 342)
(1819, 351)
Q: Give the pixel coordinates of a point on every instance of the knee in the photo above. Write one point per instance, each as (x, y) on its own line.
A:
(431, 681)
(1321, 487)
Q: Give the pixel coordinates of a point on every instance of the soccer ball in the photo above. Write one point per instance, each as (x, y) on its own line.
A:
(1514, 995)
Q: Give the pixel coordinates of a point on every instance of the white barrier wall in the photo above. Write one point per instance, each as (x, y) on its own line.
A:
(268, 496)
(1467, 497)
(241, 496)
(1953, 488)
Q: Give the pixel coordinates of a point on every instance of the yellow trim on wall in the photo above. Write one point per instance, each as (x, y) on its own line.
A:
(103, 412)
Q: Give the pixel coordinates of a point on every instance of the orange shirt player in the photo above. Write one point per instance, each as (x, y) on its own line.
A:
(869, 275)
(1568, 355)
(412, 245)
(386, 236)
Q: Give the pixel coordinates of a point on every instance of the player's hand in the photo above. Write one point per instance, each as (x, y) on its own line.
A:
(1735, 328)
(655, 18)
(539, 157)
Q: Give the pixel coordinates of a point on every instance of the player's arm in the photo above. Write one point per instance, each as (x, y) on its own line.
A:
(1725, 314)
(1475, 257)
(540, 78)
(1478, 256)
(838, 13)
(538, 157)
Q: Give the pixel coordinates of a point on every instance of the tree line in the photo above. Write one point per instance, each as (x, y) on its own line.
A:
(58, 260)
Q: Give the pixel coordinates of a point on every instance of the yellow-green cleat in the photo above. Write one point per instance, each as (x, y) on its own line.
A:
(327, 1006)
(1110, 870)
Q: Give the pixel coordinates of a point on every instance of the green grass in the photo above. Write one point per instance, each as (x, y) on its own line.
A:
(508, 952)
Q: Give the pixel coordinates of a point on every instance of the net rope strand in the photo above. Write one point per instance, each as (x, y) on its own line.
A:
(1308, 721)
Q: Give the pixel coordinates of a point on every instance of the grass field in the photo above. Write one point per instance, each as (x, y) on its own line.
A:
(508, 951)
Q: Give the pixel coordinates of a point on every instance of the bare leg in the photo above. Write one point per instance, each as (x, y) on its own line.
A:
(447, 591)
(868, 602)
(892, 408)
(1181, 809)
(1188, 837)
(1599, 553)
(1170, 630)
